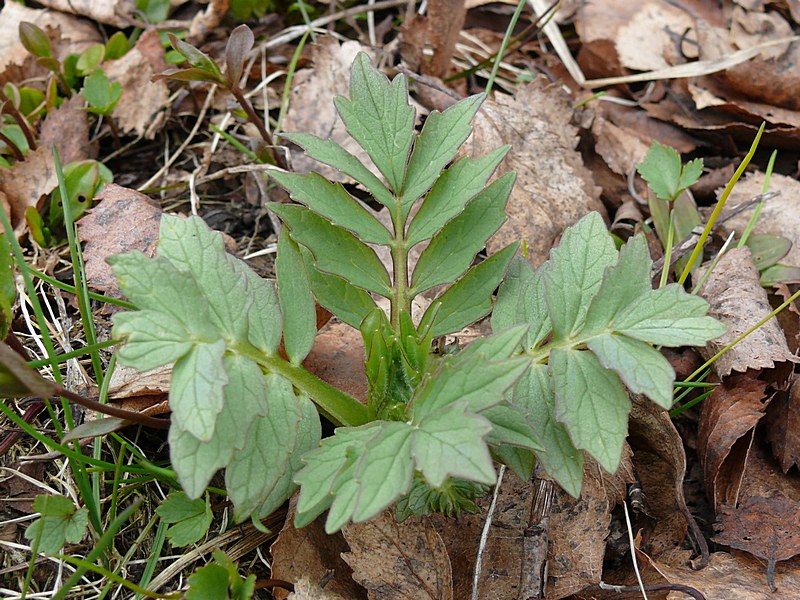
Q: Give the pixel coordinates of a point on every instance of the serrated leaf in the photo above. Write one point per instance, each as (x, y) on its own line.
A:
(60, 522)
(437, 144)
(670, 317)
(264, 462)
(381, 475)
(196, 389)
(661, 169)
(449, 195)
(469, 298)
(196, 462)
(297, 303)
(476, 380)
(510, 427)
(451, 251)
(349, 303)
(562, 461)
(575, 272)
(591, 403)
(264, 319)
(520, 301)
(379, 118)
(332, 201)
(192, 247)
(208, 583)
(450, 443)
(153, 339)
(189, 519)
(494, 347)
(622, 285)
(335, 250)
(332, 154)
(324, 465)
(690, 173)
(642, 369)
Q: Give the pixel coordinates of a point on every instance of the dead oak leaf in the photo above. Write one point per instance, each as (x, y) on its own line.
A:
(768, 528)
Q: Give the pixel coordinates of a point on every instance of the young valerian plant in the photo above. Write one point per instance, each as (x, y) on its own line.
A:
(547, 384)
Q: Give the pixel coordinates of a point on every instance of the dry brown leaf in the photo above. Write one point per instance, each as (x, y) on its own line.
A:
(338, 358)
(305, 590)
(553, 189)
(431, 38)
(123, 220)
(142, 99)
(110, 12)
(68, 129)
(783, 426)
(738, 300)
(646, 42)
(579, 527)
(727, 417)
(26, 183)
(397, 561)
(310, 553)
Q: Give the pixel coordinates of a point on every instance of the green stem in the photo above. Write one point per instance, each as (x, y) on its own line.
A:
(401, 300)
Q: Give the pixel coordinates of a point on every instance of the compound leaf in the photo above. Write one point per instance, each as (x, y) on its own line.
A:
(575, 272)
(379, 117)
(333, 202)
(591, 403)
(60, 522)
(510, 427)
(153, 339)
(189, 519)
(437, 144)
(264, 318)
(520, 301)
(335, 250)
(297, 303)
(451, 251)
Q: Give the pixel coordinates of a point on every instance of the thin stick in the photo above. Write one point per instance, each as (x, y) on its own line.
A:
(476, 578)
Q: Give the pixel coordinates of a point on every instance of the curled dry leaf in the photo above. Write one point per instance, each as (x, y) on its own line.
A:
(26, 184)
(553, 188)
(727, 420)
(396, 561)
(738, 300)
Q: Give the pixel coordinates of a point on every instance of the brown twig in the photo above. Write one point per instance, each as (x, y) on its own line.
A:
(256, 120)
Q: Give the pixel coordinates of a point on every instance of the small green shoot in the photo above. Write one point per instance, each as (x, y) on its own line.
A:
(59, 522)
(189, 519)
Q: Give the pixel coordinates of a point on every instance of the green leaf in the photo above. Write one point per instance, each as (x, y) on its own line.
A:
(189, 519)
(349, 303)
(208, 583)
(519, 460)
(331, 153)
(297, 303)
(575, 272)
(379, 118)
(494, 347)
(642, 369)
(521, 301)
(100, 93)
(197, 59)
(95, 428)
(453, 189)
(60, 522)
(661, 169)
(451, 251)
(670, 317)
(510, 427)
(437, 144)
(34, 39)
(591, 403)
(335, 250)
(622, 285)
(196, 462)
(332, 201)
(562, 461)
(262, 470)
(196, 389)
(690, 174)
(469, 298)
(767, 249)
(153, 339)
(90, 58)
(192, 247)
(264, 320)
(117, 46)
(479, 382)
(381, 475)
(450, 443)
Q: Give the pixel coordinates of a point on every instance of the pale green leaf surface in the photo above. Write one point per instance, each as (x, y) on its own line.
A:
(510, 427)
(196, 389)
(498, 346)
(690, 173)
(477, 381)
(153, 339)
(591, 403)
(190, 519)
(192, 247)
(470, 298)
(331, 153)
(263, 462)
(335, 250)
(661, 169)
(450, 193)
(297, 303)
(60, 522)
(379, 117)
(450, 443)
(208, 583)
(333, 202)
(264, 318)
(451, 251)
(670, 317)
(562, 461)
(623, 284)
(575, 272)
(196, 462)
(437, 144)
(520, 301)
(642, 369)
(519, 460)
